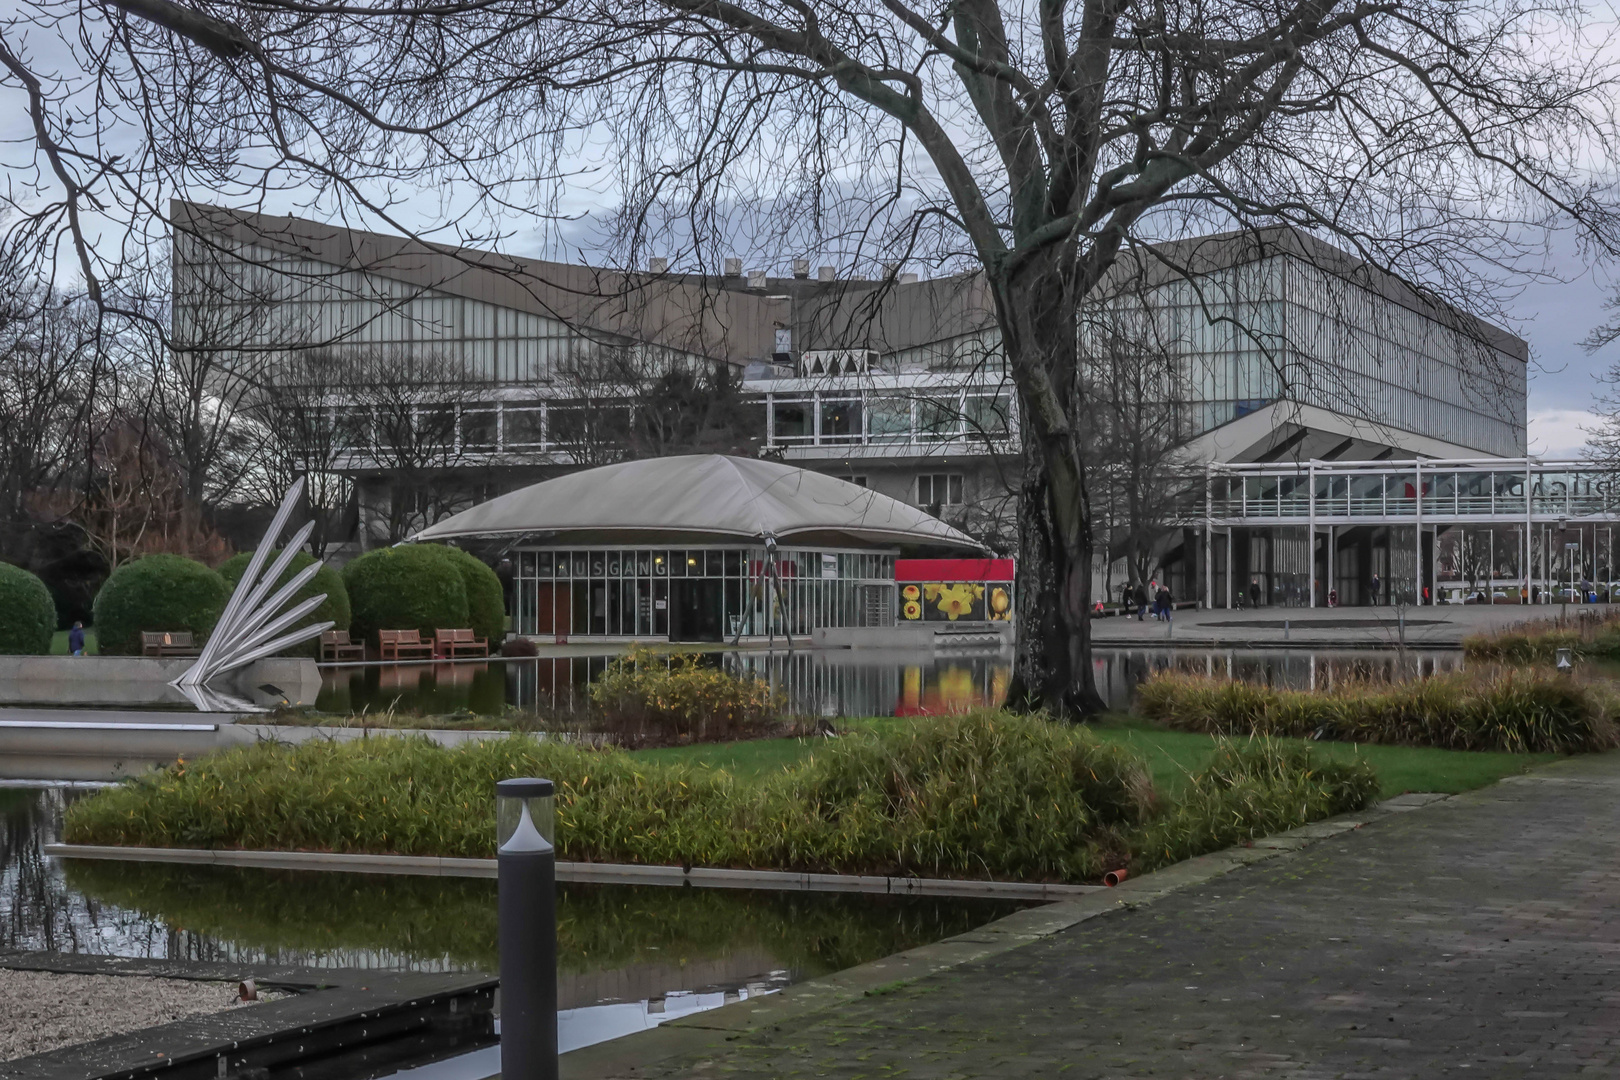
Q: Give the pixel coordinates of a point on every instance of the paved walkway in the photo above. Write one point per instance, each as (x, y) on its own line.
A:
(1475, 937)
(1365, 627)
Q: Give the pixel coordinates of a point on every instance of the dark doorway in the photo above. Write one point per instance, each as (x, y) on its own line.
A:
(695, 609)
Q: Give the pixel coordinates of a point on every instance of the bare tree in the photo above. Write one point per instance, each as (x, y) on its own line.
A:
(50, 363)
(1035, 144)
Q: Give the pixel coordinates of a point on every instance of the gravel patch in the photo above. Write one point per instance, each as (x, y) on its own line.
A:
(42, 1010)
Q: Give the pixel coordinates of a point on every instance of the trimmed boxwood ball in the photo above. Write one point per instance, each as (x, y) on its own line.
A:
(486, 598)
(405, 587)
(157, 592)
(326, 580)
(27, 613)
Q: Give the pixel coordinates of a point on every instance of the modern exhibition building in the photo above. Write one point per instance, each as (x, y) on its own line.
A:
(716, 548)
(1266, 351)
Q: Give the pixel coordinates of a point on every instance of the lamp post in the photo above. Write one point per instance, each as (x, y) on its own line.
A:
(525, 824)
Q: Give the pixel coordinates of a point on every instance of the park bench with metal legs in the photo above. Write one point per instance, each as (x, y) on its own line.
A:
(335, 646)
(403, 645)
(450, 644)
(161, 643)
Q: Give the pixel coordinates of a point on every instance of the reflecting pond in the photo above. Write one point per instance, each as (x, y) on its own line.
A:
(629, 956)
(842, 682)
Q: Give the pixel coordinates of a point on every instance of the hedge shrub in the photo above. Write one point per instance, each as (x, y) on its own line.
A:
(1515, 711)
(405, 587)
(326, 580)
(157, 592)
(486, 598)
(27, 613)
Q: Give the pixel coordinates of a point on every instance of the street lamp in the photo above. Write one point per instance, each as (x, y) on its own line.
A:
(526, 905)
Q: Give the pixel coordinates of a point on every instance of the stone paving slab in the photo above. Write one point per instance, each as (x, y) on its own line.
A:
(1479, 937)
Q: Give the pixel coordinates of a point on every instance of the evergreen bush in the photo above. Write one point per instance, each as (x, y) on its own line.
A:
(1515, 711)
(486, 597)
(335, 609)
(411, 586)
(160, 593)
(27, 613)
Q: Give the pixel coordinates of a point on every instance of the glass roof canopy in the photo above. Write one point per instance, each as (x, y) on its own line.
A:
(1421, 491)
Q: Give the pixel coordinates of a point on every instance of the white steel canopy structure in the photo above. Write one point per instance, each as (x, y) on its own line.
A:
(698, 498)
(1511, 529)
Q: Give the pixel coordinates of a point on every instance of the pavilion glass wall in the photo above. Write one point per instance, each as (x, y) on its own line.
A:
(639, 592)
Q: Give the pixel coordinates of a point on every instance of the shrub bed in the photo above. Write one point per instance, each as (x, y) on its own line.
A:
(29, 613)
(157, 592)
(335, 609)
(677, 696)
(408, 587)
(1516, 711)
(980, 795)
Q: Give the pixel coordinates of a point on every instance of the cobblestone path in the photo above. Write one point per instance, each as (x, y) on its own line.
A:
(1477, 937)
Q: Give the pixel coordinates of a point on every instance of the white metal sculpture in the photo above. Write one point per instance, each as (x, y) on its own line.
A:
(250, 628)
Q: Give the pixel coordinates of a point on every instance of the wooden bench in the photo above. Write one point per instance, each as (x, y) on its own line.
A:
(403, 644)
(450, 644)
(335, 645)
(161, 643)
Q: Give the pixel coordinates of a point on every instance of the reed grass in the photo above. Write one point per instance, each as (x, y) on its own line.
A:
(1592, 634)
(1519, 711)
(985, 794)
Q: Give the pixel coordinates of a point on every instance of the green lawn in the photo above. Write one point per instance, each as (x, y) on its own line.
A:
(59, 643)
(1170, 756)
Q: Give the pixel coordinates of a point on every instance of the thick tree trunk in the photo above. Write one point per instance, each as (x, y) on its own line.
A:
(1052, 668)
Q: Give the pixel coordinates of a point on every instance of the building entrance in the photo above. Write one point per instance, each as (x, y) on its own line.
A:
(696, 608)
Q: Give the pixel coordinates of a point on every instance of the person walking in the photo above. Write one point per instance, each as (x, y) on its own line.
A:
(1254, 593)
(76, 639)
(1165, 602)
(1153, 599)
(1373, 589)
(1140, 597)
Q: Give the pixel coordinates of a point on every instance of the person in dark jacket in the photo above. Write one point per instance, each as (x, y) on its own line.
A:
(1141, 598)
(1254, 593)
(76, 639)
(1165, 603)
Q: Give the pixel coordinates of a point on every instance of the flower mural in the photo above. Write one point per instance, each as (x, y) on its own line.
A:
(957, 600)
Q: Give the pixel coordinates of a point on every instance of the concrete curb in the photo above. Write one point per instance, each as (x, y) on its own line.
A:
(631, 1054)
(603, 873)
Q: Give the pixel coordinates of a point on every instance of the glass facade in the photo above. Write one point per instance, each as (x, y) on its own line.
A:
(699, 593)
(1281, 329)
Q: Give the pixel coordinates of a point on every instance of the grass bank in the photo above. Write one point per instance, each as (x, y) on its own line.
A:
(1170, 756)
(1592, 633)
(1523, 711)
(981, 795)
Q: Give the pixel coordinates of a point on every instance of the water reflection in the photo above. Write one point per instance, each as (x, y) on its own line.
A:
(615, 943)
(1119, 671)
(847, 682)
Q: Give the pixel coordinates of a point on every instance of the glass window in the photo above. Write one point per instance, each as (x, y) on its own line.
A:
(988, 415)
(712, 563)
(660, 564)
(478, 428)
(939, 419)
(841, 420)
(525, 427)
(939, 489)
(564, 564)
(792, 419)
(889, 420)
(354, 428)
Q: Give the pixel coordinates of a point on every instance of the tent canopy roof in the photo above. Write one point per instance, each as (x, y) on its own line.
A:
(704, 498)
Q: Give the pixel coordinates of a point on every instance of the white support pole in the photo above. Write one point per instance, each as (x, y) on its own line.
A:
(1417, 520)
(1209, 539)
(1310, 535)
(1229, 567)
